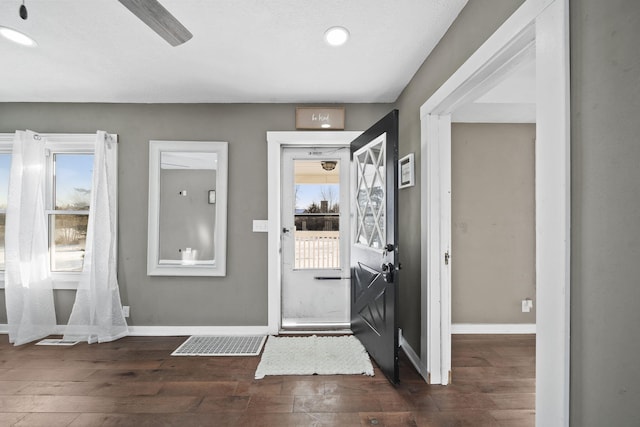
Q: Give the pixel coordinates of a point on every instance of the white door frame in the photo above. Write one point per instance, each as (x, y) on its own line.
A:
(545, 23)
(275, 142)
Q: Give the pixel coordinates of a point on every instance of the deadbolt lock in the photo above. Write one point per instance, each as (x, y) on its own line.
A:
(387, 272)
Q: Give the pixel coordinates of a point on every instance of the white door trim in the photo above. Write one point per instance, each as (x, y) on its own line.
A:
(275, 142)
(546, 22)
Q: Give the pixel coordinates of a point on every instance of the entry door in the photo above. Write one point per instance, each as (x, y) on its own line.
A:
(374, 249)
(315, 238)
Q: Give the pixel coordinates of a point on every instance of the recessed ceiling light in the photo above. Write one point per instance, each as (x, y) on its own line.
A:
(336, 36)
(17, 37)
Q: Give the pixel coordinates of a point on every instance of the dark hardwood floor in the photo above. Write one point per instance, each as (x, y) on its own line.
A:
(135, 381)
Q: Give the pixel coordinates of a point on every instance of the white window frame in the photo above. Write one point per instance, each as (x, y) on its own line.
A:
(57, 143)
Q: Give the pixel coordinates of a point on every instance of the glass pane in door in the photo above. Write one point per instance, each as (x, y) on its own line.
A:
(317, 214)
(370, 196)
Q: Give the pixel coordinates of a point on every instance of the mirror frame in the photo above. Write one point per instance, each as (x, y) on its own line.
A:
(219, 267)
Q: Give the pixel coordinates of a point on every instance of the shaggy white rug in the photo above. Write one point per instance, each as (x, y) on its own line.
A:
(314, 355)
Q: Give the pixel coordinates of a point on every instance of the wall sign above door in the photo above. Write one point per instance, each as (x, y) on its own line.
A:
(330, 118)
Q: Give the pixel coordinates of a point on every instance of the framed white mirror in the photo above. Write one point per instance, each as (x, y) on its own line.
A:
(187, 208)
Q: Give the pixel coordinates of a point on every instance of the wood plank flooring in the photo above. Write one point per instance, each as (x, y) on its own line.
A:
(135, 382)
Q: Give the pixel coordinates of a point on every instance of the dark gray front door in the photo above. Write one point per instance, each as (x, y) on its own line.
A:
(374, 248)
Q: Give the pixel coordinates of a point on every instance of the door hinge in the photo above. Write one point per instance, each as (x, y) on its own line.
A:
(446, 258)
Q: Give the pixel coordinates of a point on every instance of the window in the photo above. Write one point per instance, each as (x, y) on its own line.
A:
(69, 172)
(5, 169)
(69, 184)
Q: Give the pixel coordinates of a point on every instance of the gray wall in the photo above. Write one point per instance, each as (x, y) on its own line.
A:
(187, 221)
(493, 222)
(605, 230)
(240, 298)
(475, 23)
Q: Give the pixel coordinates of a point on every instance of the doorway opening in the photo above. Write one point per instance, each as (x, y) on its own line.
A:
(277, 142)
(373, 280)
(529, 29)
(315, 239)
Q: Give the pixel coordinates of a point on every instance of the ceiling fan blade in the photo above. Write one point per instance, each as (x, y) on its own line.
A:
(159, 19)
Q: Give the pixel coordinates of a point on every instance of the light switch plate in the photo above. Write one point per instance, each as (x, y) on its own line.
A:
(260, 225)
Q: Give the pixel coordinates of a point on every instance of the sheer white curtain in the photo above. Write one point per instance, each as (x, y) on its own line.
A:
(28, 286)
(97, 312)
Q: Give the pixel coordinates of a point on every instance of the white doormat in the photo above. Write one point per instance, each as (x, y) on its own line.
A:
(221, 346)
(314, 355)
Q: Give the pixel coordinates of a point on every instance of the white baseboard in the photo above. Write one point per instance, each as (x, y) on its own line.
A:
(159, 331)
(164, 331)
(493, 328)
(59, 329)
(413, 356)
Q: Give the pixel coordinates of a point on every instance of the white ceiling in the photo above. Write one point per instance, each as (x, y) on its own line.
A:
(241, 51)
(512, 100)
(518, 87)
(312, 172)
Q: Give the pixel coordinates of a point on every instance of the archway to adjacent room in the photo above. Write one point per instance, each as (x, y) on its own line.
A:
(539, 27)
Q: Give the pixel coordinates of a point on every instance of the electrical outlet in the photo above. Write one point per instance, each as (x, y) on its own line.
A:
(527, 305)
(125, 310)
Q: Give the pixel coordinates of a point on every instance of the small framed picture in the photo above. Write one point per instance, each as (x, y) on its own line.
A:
(406, 171)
